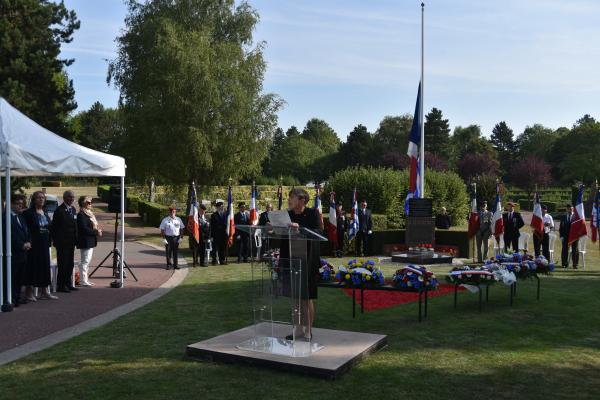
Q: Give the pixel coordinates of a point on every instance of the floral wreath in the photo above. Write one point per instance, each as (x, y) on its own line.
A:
(414, 277)
(359, 272)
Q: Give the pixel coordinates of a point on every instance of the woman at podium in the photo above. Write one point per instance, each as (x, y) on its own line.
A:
(308, 252)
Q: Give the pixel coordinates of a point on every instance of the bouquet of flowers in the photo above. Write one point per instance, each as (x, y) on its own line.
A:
(414, 277)
(508, 258)
(543, 266)
(360, 273)
(326, 271)
(423, 247)
(465, 275)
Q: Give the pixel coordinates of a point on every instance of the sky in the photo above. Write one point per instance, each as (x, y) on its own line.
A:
(353, 62)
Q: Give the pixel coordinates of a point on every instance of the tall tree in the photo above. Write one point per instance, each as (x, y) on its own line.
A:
(191, 82)
(576, 153)
(33, 77)
(437, 132)
(292, 131)
(320, 133)
(358, 149)
(98, 128)
(502, 139)
(392, 133)
(537, 140)
(531, 172)
(468, 140)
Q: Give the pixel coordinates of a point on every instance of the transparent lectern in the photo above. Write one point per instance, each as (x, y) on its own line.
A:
(280, 290)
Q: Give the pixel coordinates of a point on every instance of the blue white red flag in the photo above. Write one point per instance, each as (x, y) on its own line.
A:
(354, 224)
(332, 226)
(318, 206)
(537, 220)
(474, 216)
(578, 226)
(253, 209)
(230, 223)
(497, 221)
(595, 224)
(193, 225)
(414, 143)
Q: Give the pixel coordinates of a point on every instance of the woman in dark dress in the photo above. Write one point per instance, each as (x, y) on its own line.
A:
(37, 269)
(341, 230)
(88, 231)
(302, 216)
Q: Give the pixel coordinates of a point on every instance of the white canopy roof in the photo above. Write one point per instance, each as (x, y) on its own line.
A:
(35, 151)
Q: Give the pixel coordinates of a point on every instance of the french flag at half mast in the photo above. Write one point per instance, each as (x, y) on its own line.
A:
(474, 217)
(253, 210)
(578, 226)
(595, 224)
(497, 221)
(414, 142)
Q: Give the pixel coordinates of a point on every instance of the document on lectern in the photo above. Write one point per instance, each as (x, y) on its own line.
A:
(279, 218)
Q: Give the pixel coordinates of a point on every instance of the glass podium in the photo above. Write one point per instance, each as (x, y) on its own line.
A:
(281, 282)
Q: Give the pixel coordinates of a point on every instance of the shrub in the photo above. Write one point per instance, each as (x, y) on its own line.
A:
(152, 213)
(386, 189)
(103, 192)
(132, 204)
(51, 183)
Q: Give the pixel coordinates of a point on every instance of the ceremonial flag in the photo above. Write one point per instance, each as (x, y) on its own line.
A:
(332, 226)
(279, 196)
(230, 223)
(537, 220)
(474, 217)
(414, 142)
(318, 204)
(253, 210)
(353, 217)
(595, 224)
(497, 221)
(193, 225)
(578, 226)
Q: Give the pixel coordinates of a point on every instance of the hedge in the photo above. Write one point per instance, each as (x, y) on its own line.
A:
(152, 213)
(528, 205)
(103, 192)
(51, 183)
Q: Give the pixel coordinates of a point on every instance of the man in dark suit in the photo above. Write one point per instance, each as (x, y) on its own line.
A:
(242, 217)
(218, 231)
(563, 230)
(512, 223)
(20, 245)
(64, 236)
(365, 229)
(262, 221)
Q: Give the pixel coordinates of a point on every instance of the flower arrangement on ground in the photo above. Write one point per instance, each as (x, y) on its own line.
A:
(359, 272)
(326, 271)
(423, 247)
(466, 275)
(414, 277)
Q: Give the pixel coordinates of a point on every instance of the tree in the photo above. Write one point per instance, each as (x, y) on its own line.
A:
(502, 140)
(292, 131)
(576, 154)
(32, 74)
(473, 164)
(530, 172)
(537, 140)
(191, 81)
(468, 140)
(320, 133)
(437, 132)
(392, 134)
(297, 157)
(358, 148)
(98, 128)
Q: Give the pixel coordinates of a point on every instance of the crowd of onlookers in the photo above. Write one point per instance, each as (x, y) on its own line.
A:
(33, 232)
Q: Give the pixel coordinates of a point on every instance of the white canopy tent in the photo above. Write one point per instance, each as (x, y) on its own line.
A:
(27, 149)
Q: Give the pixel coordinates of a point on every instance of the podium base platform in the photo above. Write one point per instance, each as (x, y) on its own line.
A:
(329, 355)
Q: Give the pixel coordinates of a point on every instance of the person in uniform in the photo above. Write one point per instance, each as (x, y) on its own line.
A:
(204, 230)
(171, 230)
(483, 232)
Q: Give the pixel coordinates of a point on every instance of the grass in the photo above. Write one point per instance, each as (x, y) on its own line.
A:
(535, 350)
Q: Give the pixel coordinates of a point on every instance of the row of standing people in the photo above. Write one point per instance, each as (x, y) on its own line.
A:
(33, 232)
(513, 222)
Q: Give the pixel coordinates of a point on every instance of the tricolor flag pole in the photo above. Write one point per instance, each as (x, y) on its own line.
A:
(422, 156)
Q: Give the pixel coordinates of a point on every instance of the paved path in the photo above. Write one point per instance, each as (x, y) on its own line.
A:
(31, 323)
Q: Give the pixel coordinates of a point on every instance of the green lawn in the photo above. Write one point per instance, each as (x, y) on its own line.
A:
(535, 350)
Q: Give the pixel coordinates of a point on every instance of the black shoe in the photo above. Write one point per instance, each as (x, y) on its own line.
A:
(63, 289)
(168, 267)
(289, 337)
(176, 267)
(245, 260)
(73, 288)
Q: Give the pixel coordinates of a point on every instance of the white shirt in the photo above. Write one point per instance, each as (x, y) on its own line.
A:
(172, 226)
(548, 223)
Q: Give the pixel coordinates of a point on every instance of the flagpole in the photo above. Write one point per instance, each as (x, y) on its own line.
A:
(421, 114)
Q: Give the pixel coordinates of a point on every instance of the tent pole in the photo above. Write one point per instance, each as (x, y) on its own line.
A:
(122, 230)
(1, 255)
(8, 239)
